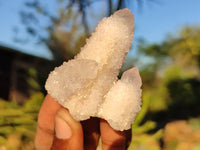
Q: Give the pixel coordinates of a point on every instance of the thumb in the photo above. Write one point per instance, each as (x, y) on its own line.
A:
(68, 132)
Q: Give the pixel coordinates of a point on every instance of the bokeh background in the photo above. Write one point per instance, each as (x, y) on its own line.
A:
(37, 35)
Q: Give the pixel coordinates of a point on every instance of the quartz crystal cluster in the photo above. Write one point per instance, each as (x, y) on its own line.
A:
(88, 85)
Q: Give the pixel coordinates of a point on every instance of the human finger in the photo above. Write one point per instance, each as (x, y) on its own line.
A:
(91, 133)
(45, 129)
(68, 132)
(111, 139)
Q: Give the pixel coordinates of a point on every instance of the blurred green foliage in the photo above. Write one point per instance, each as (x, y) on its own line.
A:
(171, 92)
(171, 83)
(32, 79)
(18, 122)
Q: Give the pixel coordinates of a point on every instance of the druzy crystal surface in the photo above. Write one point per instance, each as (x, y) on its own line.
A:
(88, 85)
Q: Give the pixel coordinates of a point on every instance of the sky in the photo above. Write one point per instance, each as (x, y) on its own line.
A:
(153, 21)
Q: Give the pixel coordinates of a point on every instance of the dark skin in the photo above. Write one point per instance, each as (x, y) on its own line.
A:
(52, 132)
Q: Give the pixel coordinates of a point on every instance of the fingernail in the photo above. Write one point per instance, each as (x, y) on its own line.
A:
(62, 129)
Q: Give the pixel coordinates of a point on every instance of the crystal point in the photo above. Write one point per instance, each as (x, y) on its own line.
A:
(88, 86)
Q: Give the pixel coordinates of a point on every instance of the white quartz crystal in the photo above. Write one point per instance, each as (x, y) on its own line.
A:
(122, 102)
(87, 85)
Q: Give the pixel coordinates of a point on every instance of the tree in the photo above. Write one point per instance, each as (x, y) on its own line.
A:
(182, 50)
(69, 24)
(173, 76)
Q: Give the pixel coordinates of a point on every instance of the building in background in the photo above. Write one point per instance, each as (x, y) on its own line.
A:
(21, 74)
